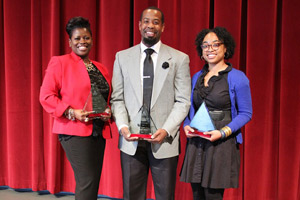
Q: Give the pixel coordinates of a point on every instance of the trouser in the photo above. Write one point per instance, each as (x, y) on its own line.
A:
(86, 157)
(200, 193)
(135, 174)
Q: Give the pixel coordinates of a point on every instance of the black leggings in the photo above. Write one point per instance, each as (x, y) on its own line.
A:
(200, 193)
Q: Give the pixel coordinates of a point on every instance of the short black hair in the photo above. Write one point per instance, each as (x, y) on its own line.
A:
(77, 22)
(223, 35)
(154, 8)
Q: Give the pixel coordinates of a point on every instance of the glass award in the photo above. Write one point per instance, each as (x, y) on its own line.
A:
(96, 103)
(202, 122)
(145, 130)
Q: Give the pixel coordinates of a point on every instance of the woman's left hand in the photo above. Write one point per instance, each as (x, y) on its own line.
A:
(214, 135)
(107, 115)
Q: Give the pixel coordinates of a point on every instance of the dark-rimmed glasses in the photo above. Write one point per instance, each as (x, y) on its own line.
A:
(214, 46)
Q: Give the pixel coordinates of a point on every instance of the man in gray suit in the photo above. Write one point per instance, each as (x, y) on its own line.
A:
(169, 105)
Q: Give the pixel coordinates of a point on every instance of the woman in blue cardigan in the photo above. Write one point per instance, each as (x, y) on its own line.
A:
(212, 163)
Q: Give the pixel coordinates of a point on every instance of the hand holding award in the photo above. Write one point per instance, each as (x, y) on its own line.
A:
(96, 104)
(145, 130)
(202, 122)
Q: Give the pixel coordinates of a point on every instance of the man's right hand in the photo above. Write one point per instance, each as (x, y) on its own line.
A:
(126, 134)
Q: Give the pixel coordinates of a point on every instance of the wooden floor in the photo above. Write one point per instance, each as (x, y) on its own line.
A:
(7, 193)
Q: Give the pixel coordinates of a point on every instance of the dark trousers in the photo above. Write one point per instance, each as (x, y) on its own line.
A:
(86, 157)
(200, 193)
(135, 174)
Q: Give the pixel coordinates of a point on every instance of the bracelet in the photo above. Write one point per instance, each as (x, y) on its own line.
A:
(70, 114)
(227, 131)
(222, 134)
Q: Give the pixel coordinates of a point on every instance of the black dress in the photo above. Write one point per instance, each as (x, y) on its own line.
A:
(213, 164)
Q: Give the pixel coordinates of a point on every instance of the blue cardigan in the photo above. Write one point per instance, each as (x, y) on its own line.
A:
(241, 104)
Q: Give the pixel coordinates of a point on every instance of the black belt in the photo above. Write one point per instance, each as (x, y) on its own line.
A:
(220, 115)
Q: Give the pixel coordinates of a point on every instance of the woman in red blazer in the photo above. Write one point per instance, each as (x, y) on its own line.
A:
(70, 81)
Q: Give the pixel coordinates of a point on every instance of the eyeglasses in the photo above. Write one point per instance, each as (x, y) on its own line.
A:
(214, 46)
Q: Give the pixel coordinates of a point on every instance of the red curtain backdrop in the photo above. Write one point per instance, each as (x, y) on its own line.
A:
(267, 37)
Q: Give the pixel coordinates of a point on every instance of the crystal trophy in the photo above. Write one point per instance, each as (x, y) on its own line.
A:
(202, 122)
(96, 103)
(145, 130)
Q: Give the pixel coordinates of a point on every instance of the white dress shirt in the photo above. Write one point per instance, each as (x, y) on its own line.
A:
(154, 56)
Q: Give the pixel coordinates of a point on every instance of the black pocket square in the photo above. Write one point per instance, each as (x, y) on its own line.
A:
(165, 65)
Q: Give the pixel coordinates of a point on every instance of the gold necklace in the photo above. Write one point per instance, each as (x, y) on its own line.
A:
(89, 66)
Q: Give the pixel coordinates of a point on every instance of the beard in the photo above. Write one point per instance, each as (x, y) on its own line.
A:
(150, 41)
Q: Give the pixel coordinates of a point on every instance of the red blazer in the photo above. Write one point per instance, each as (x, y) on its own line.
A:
(67, 83)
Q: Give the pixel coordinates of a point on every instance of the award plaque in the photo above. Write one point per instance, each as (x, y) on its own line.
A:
(96, 103)
(202, 122)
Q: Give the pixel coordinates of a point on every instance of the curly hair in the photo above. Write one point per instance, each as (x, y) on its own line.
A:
(223, 35)
(77, 22)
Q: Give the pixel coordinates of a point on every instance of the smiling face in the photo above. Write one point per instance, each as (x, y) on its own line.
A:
(151, 27)
(81, 42)
(213, 55)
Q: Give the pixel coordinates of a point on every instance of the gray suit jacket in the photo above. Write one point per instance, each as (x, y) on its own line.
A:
(170, 101)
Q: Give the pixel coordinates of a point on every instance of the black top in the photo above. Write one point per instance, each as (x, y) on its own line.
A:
(216, 94)
(98, 82)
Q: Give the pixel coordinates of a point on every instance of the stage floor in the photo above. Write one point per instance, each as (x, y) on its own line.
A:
(25, 194)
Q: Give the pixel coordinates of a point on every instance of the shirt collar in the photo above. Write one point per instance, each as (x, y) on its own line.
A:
(155, 47)
(228, 69)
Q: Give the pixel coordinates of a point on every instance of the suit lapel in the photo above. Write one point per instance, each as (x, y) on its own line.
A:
(134, 71)
(160, 73)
